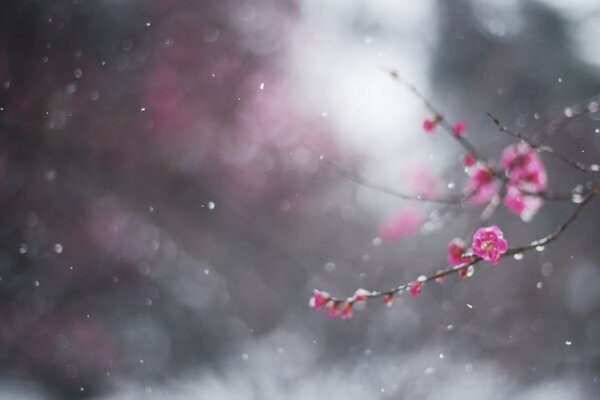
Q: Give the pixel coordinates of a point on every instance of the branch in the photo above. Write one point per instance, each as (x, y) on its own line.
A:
(595, 168)
(362, 182)
(439, 117)
(449, 270)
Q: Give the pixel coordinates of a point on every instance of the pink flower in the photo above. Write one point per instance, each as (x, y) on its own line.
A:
(388, 299)
(515, 156)
(347, 310)
(489, 243)
(524, 206)
(332, 308)
(402, 224)
(415, 288)
(429, 125)
(531, 177)
(318, 299)
(481, 185)
(468, 160)
(361, 295)
(524, 167)
(456, 252)
(459, 128)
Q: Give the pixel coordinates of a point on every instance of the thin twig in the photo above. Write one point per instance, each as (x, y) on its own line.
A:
(439, 117)
(594, 168)
(362, 182)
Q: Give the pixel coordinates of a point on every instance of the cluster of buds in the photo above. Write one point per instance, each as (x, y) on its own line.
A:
(525, 177)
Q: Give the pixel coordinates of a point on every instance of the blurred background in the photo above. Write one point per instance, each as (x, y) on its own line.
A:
(165, 213)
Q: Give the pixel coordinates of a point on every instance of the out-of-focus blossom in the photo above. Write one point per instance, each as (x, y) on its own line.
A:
(361, 295)
(318, 299)
(456, 252)
(402, 224)
(422, 181)
(388, 299)
(429, 125)
(489, 243)
(481, 186)
(523, 205)
(524, 167)
(459, 128)
(347, 310)
(526, 172)
(415, 288)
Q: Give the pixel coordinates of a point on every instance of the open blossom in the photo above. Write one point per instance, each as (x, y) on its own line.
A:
(429, 125)
(318, 299)
(489, 243)
(456, 252)
(415, 288)
(481, 185)
(526, 172)
(421, 181)
(402, 224)
(459, 128)
(521, 204)
(524, 167)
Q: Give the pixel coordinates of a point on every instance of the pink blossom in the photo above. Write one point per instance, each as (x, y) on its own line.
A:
(518, 203)
(388, 299)
(515, 156)
(524, 167)
(456, 252)
(468, 160)
(459, 128)
(347, 310)
(532, 176)
(415, 288)
(361, 295)
(481, 185)
(463, 272)
(318, 299)
(333, 308)
(402, 224)
(429, 125)
(489, 243)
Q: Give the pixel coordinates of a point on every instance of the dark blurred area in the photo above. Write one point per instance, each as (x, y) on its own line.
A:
(165, 214)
